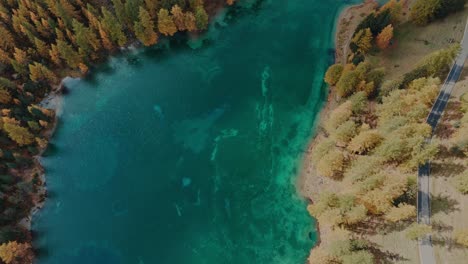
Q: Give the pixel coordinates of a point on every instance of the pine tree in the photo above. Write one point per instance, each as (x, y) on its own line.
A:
(6, 40)
(106, 41)
(424, 11)
(4, 57)
(19, 134)
(5, 96)
(132, 11)
(39, 72)
(165, 23)
(42, 48)
(384, 37)
(55, 55)
(201, 18)
(86, 39)
(119, 10)
(363, 40)
(152, 6)
(112, 26)
(68, 54)
(144, 28)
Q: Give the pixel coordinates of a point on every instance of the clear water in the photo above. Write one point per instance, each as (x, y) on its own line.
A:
(190, 155)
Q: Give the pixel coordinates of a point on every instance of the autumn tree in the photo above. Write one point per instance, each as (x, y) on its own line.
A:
(165, 23)
(190, 21)
(345, 132)
(15, 253)
(39, 72)
(461, 237)
(332, 164)
(365, 141)
(333, 74)
(144, 28)
(5, 96)
(6, 41)
(178, 17)
(461, 182)
(384, 37)
(338, 116)
(363, 40)
(400, 213)
(347, 83)
(17, 133)
(395, 8)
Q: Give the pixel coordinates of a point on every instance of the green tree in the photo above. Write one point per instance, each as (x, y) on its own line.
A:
(113, 27)
(424, 11)
(347, 83)
(68, 54)
(363, 40)
(144, 28)
(86, 39)
(333, 74)
(201, 18)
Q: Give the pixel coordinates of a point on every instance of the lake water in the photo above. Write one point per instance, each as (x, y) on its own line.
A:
(189, 153)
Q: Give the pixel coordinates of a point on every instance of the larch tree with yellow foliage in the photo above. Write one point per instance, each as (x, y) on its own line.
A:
(15, 253)
(363, 40)
(166, 24)
(144, 28)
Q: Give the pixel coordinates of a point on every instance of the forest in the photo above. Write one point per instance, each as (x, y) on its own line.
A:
(43, 41)
(372, 143)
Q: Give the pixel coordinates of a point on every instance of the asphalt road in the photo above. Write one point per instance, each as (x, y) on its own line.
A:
(426, 251)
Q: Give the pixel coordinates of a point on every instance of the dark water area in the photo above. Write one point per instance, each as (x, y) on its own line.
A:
(191, 154)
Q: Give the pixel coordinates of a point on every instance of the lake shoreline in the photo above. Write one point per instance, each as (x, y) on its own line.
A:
(308, 184)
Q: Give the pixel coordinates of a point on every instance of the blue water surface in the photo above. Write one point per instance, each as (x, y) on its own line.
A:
(188, 152)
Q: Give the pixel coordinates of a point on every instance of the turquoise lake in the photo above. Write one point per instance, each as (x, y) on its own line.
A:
(189, 153)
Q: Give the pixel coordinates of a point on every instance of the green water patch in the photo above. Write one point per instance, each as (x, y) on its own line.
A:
(189, 153)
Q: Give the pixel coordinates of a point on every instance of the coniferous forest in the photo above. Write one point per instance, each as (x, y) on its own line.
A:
(42, 41)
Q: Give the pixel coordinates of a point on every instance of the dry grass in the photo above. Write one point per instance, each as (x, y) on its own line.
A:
(413, 42)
